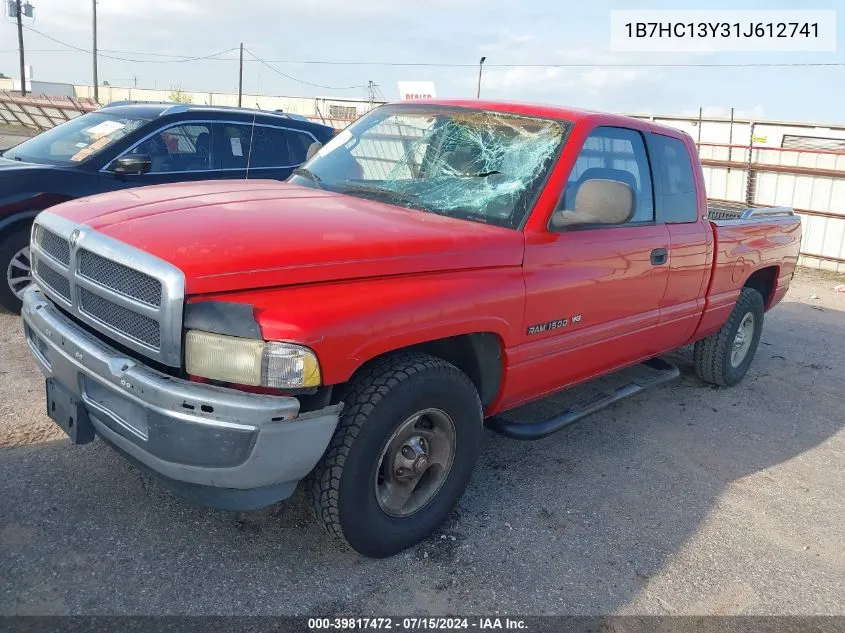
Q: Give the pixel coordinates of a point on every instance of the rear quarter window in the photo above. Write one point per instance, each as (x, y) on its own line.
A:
(298, 144)
(680, 199)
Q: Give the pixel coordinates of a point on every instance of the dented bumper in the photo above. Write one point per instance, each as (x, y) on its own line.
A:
(217, 446)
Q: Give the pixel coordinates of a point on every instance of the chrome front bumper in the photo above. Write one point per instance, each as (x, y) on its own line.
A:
(221, 447)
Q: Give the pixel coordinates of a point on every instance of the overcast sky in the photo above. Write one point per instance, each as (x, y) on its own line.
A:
(434, 31)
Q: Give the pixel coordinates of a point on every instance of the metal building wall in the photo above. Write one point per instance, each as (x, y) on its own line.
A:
(744, 162)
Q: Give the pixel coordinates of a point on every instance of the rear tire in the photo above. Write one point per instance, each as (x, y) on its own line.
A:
(723, 358)
(14, 256)
(351, 489)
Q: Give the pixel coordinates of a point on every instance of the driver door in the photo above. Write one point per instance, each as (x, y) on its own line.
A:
(178, 153)
(593, 293)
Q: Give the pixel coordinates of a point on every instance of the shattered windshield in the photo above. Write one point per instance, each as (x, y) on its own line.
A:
(471, 164)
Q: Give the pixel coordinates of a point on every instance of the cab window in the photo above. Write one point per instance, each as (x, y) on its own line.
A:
(680, 199)
(613, 153)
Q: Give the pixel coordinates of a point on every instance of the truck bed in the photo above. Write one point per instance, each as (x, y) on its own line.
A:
(728, 210)
(759, 244)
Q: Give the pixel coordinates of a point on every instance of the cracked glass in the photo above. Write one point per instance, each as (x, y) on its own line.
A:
(477, 165)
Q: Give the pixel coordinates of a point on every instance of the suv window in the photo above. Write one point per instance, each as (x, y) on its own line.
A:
(298, 144)
(680, 199)
(614, 153)
(271, 146)
(235, 147)
(179, 148)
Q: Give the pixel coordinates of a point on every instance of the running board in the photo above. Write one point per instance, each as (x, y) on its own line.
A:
(652, 373)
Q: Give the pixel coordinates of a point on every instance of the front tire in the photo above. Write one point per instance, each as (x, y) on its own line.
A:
(723, 358)
(14, 262)
(402, 455)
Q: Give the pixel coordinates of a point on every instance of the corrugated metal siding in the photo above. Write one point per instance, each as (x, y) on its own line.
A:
(823, 235)
(822, 195)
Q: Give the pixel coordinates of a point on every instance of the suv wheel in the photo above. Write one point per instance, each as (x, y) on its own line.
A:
(14, 260)
(407, 442)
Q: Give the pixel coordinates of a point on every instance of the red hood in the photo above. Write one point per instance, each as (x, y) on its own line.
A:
(237, 235)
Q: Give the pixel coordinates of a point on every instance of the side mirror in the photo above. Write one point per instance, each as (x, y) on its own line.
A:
(132, 165)
(598, 201)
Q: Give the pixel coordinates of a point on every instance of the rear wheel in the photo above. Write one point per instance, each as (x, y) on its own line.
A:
(723, 358)
(403, 452)
(14, 260)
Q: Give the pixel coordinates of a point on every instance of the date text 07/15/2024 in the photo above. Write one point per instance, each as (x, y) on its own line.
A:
(416, 623)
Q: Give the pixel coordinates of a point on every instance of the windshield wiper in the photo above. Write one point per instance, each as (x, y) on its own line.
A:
(483, 174)
(377, 191)
(464, 213)
(310, 175)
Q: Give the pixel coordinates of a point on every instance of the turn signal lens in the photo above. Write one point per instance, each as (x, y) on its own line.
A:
(289, 366)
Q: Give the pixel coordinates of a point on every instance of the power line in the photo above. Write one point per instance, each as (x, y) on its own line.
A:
(75, 49)
(179, 58)
(642, 65)
(124, 59)
(100, 52)
(307, 83)
(36, 50)
(186, 57)
(216, 57)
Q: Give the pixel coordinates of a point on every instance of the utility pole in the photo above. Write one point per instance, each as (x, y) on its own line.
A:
(480, 64)
(700, 116)
(96, 82)
(20, 47)
(371, 93)
(241, 77)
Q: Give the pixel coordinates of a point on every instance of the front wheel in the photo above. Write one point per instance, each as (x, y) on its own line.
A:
(407, 442)
(723, 358)
(14, 260)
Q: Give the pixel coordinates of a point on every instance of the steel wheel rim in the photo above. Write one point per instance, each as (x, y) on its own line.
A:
(415, 462)
(742, 340)
(19, 272)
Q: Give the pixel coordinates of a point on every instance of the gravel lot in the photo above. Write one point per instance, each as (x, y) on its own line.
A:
(686, 500)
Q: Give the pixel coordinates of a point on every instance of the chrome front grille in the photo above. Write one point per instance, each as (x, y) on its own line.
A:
(56, 281)
(125, 294)
(119, 278)
(137, 326)
(55, 246)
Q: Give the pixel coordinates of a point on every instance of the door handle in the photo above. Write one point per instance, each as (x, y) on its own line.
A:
(659, 256)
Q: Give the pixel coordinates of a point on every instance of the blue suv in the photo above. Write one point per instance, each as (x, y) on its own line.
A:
(133, 145)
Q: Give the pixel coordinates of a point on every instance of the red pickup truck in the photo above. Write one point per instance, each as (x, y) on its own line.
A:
(431, 267)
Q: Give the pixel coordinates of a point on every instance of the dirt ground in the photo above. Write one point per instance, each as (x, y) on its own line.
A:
(685, 500)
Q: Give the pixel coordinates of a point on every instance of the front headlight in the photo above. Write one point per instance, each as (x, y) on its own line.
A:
(246, 361)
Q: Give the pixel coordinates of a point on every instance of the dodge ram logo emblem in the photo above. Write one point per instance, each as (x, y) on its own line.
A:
(74, 238)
